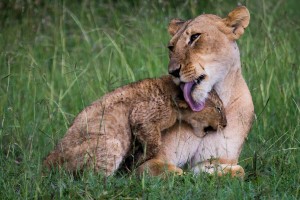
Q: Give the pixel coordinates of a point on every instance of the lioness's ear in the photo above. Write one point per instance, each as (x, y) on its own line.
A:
(174, 26)
(237, 20)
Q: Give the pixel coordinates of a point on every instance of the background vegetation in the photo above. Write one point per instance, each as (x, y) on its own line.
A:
(59, 56)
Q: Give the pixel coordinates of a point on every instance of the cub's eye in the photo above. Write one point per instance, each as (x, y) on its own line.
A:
(194, 37)
(171, 47)
(219, 109)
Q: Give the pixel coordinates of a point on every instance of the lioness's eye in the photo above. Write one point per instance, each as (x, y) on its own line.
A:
(194, 37)
(219, 109)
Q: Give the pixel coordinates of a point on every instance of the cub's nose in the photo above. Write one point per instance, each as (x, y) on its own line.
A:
(224, 125)
(224, 122)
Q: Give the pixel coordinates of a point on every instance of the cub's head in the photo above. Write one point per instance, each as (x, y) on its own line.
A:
(211, 118)
(203, 51)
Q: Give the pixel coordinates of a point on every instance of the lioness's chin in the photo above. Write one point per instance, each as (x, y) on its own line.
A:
(199, 94)
(176, 80)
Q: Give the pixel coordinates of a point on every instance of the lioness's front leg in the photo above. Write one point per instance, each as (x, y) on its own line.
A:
(224, 147)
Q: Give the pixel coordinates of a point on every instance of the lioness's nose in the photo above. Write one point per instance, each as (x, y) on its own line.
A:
(175, 72)
(174, 68)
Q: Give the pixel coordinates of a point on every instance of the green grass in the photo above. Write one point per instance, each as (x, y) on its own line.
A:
(56, 58)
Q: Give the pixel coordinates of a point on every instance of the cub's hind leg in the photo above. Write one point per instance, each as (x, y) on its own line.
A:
(110, 156)
(98, 154)
(104, 156)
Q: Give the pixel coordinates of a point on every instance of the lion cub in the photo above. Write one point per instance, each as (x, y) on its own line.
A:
(101, 135)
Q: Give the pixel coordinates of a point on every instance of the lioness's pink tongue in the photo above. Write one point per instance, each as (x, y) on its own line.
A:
(187, 90)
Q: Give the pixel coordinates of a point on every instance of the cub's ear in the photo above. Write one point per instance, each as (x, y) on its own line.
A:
(174, 26)
(237, 20)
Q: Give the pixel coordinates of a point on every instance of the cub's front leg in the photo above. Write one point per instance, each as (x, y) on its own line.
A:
(150, 138)
(147, 119)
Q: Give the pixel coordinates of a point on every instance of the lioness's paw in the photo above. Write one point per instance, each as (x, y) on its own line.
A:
(156, 167)
(220, 169)
(233, 170)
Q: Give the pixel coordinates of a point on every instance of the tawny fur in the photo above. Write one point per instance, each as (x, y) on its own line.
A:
(216, 53)
(102, 134)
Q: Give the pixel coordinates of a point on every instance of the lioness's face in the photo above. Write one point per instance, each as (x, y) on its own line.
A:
(203, 50)
(195, 46)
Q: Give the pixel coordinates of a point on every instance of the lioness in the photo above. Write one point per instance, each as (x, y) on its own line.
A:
(101, 134)
(208, 43)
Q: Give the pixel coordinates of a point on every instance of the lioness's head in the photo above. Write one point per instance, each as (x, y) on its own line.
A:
(203, 51)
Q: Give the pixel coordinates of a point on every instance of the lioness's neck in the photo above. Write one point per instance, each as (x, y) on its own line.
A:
(225, 87)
